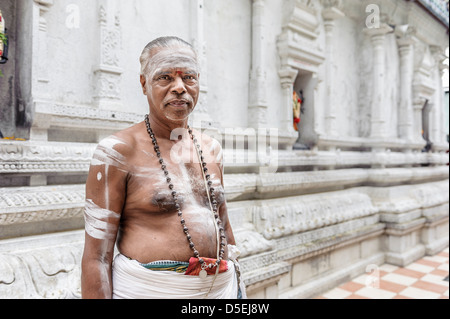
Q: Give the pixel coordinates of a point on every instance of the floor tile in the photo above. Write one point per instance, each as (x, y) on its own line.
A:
(337, 293)
(391, 286)
(439, 280)
(439, 272)
(401, 297)
(388, 267)
(436, 258)
(362, 279)
(443, 267)
(427, 262)
(353, 296)
(417, 293)
(419, 267)
(351, 286)
(429, 286)
(409, 273)
(400, 279)
(422, 279)
(375, 293)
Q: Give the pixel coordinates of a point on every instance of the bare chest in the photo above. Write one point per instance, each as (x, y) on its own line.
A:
(151, 192)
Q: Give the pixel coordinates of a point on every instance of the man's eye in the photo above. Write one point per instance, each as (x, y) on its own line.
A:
(190, 77)
(164, 78)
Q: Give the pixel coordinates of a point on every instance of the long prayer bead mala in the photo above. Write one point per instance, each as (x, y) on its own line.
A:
(210, 193)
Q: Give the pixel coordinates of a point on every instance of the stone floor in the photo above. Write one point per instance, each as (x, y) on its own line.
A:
(426, 278)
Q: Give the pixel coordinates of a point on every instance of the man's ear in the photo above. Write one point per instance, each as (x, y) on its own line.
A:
(143, 84)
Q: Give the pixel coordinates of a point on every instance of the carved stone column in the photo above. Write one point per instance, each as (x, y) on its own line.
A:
(405, 112)
(379, 110)
(39, 70)
(287, 78)
(418, 106)
(198, 41)
(108, 74)
(423, 91)
(330, 14)
(41, 67)
(257, 107)
(437, 124)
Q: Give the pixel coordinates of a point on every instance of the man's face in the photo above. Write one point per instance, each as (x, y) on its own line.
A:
(171, 83)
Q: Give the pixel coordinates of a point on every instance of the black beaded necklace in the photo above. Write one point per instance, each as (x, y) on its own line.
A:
(209, 192)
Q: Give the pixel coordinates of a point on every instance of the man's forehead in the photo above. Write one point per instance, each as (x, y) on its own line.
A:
(170, 59)
(175, 70)
(161, 52)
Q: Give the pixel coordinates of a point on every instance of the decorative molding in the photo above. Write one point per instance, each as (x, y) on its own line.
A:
(51, 157)
(33, 210)
(108, 73)
(49, 114)
(296, 248)
(299, 214)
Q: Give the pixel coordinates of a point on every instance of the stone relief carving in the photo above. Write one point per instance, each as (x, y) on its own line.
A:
(23, 209)
(251, 242)
(332, 3)
(108, 74)
(42, 273)
(110, 47)
(107, 86)
(102, 15)
(300, 214)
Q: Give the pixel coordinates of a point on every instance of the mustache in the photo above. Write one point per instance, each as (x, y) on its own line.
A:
(178, 100)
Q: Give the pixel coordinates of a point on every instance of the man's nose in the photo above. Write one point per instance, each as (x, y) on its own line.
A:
(178, 86)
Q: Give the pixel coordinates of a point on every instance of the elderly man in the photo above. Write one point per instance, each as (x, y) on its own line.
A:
(156, 190)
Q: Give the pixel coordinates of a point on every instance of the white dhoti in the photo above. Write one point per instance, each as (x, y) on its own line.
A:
(132, 281)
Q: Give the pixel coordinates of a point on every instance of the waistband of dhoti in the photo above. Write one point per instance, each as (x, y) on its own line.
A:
(167, 265)
(192, 267)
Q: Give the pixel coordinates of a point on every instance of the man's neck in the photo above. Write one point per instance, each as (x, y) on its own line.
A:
(167, 130)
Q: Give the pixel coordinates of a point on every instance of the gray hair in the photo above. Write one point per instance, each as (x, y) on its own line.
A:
(161, 42)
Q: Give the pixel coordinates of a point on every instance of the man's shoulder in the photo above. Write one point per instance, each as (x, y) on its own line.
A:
(208, 139)
(212, 147)
(122, 141)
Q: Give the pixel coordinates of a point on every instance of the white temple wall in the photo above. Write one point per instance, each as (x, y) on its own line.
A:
(228, 67)
(346, 75)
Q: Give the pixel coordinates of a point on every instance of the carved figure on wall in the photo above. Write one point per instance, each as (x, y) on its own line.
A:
(297, 100)
(3, 42)
(2, 32)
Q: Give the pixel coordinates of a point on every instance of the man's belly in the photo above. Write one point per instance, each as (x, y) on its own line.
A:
(166, 240)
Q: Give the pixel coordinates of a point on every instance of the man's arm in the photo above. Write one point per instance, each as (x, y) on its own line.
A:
(105, 197)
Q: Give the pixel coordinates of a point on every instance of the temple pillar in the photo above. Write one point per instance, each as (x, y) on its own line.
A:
(405, 112)
(330, 15)
(287, 78)
(438, 134)
(257, 107)
(379, 112)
